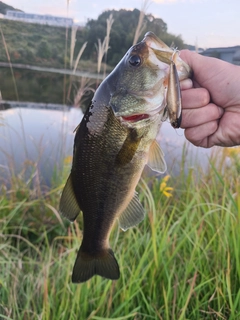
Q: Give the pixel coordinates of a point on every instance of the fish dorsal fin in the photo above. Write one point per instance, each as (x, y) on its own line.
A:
(156, 158)
(69, 207)
(132, 215)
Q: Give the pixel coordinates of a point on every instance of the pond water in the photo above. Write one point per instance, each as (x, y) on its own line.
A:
(43, 87)
(36, 137)
(42, 136)
(37, 120)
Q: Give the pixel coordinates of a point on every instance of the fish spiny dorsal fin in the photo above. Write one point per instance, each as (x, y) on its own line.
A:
(69, 207)
(132, 215)
(156, 158)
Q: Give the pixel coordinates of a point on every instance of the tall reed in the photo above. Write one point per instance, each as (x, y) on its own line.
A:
(103, 47)
(141, 25)
(110, 21)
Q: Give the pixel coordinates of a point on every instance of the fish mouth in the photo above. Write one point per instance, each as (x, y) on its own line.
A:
(167, 55)
(161, 50)
(154, 42)
(135, 117)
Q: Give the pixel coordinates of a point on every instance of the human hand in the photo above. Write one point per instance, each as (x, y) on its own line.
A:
(211, 102)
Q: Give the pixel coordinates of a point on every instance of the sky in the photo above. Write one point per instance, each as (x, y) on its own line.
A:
(207, 23)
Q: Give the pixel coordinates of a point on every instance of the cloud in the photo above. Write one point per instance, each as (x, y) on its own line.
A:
(174, 1)
(166, 1)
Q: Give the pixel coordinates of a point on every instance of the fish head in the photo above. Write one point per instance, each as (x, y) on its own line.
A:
(141, 80)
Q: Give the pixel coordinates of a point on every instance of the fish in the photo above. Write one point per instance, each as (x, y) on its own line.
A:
(114, 141)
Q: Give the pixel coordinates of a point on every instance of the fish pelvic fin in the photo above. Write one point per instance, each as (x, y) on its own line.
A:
(156, 158)
(103, 264)
(69, 207)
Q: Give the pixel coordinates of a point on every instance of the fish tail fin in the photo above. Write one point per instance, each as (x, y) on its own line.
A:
(103, 264)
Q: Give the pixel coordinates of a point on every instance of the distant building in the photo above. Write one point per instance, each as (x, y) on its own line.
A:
(39, 18)
(229, 54)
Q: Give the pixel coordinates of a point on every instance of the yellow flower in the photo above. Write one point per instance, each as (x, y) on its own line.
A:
(164, 189)
(232, 151)
(68, 160)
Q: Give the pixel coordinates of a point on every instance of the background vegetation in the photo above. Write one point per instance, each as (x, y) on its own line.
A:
(123, 31)
(34, 44)
(4, 7)
(181, 262)
(44, 45)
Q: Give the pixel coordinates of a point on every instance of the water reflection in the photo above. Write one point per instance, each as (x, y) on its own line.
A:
(179, 152)
(44, 87)
(44, 137)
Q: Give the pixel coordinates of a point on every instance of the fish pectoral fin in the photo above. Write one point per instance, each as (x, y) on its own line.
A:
(69, 207)
(156, 158)
(128, 149)
(132, 215)
(102, 263)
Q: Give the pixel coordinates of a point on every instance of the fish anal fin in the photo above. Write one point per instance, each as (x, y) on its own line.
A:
(69, 207)
(156, 158)
(102, 263)
(132, 215)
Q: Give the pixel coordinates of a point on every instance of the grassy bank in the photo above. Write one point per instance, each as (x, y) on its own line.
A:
(33, 43)
(182, 262)
(42, 45)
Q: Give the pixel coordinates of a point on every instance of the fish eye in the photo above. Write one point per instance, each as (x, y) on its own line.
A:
(135, 61)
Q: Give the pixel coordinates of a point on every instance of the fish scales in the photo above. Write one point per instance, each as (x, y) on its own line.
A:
(103, 184)
(100, 182)
(114, 141)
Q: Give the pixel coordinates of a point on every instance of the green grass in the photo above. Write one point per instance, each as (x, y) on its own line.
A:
(42, 45)
(33, 43)
(182, 262)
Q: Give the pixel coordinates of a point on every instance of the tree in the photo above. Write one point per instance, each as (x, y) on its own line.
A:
(44, 50)
(122, 33)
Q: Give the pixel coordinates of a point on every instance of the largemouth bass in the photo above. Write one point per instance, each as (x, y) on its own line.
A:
(114, 141)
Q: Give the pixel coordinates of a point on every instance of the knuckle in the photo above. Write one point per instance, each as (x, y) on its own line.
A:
(213, 112)
(212, 127)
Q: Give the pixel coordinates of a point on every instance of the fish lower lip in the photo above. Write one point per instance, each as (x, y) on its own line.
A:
(135, 117)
